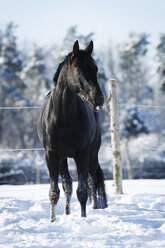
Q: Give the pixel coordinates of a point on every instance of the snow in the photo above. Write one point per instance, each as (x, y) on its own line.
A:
(135, 219)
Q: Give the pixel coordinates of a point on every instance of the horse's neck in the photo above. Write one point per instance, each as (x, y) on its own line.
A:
(65, 103)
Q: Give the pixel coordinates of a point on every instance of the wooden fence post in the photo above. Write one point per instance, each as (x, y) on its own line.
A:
(38, 167)
(115, 137)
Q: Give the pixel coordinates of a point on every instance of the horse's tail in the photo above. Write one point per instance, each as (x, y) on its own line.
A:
(101, 194)
(96, 189)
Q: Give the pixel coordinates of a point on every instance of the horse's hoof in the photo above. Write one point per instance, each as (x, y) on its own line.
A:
(83, 215)
(52, 212)
(53, 220)
(67, 211)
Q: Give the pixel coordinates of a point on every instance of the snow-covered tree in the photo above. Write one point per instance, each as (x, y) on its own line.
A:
(1, 43)
(159, 86)
(35, 74)
(129, 67)
(72, 35)
(132, 68)
(161, 61)
(11, 64)
(11, 86)
(12, 91)
(132, 123)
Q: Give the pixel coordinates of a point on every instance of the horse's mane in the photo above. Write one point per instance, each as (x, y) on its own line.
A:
(57, 73)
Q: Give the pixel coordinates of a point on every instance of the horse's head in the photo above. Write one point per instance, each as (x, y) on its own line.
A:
(82, 76)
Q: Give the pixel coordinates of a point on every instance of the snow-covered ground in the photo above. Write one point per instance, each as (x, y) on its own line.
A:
(135, 219)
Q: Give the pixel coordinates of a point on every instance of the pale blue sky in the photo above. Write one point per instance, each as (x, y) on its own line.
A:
(46, 21)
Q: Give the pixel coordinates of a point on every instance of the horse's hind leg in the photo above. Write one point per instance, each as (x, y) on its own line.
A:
(54, 192)
(92, 189)
(97, 186)
(66, 183)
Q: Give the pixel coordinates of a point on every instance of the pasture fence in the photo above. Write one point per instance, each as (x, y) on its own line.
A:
(109, 110)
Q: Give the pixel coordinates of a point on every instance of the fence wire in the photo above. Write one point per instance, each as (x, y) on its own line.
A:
(17, 108)
(105, 108)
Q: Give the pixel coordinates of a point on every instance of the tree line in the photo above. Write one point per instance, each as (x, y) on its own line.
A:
(26, 77)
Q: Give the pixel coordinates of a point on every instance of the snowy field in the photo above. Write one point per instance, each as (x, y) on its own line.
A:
(135, 219)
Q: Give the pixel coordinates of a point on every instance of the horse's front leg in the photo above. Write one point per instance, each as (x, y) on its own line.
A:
(82, 162)
(66, 184)
(53, 166)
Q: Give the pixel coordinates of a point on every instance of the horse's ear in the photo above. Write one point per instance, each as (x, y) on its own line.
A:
(89, 49)
(76, 48)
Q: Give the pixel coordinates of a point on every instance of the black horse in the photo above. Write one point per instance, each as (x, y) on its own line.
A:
(69, 128)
